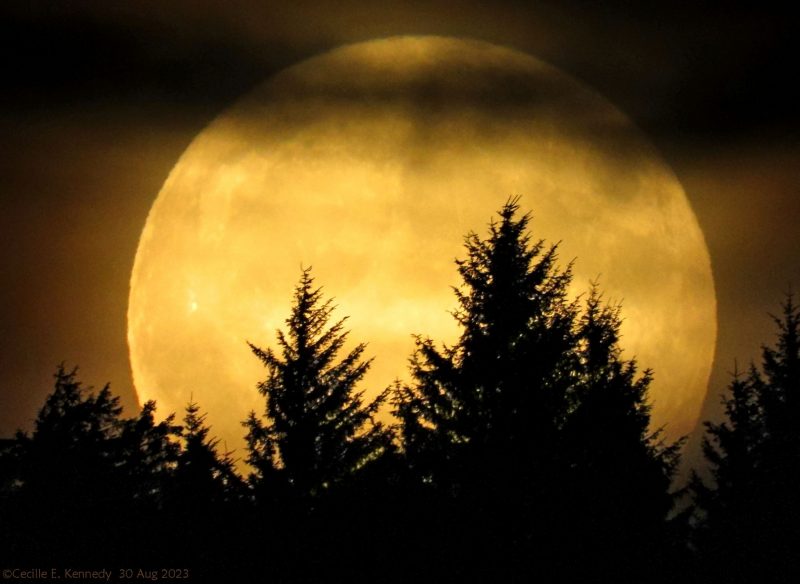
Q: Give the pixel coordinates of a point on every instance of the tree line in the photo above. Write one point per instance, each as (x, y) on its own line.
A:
(521, 452)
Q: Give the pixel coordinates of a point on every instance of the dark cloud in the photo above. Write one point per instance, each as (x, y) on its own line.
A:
(78, 62)
(686, 67)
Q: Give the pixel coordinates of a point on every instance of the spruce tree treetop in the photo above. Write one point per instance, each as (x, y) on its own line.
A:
(780, 395)
(318, 430)
(732, 448)
(504, 381)
(203, 476)
(74, 442)
(609, 395)
(748, 515)
(531, 433)
(759, 433)
(73, 414)
(612, 454)
(81, 448)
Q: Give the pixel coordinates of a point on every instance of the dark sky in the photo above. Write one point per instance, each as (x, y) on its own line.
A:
(99, 99)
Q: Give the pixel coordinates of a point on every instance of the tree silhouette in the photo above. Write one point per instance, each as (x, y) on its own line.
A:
(503, 385)
(531, 432)
(203, 477)
(83, 463)
(749, 514)
(206, 501)
(524, 451)
(74, 446)
(318, 431)
(618, 471)
(149, 455)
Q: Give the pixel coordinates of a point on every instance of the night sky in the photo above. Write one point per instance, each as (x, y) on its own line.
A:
(99, 100)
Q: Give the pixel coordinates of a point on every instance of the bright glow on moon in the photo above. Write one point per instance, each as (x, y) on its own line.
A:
(370, 163)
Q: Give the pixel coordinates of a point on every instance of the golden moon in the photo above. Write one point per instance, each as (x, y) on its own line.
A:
(370, 163)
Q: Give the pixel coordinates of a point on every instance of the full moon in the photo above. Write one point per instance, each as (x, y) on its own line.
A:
(370, 163)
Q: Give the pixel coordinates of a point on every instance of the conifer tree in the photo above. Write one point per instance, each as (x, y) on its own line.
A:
(203, 475)
(74, 445)
(749, 514)
(148, 455)
(502, 387)
(206, 499)
(727, 506)
(617, 470)
(317, 430)
(532, 432)
(480, 420)
(608, 427)
(94, 477)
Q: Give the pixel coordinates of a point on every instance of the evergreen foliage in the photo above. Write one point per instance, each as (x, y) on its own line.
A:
(748, 514)
(522, 452)
(203, 477)
(531, 432)
(83, 462)
(619, 471)
(317, 430)
(503, 385)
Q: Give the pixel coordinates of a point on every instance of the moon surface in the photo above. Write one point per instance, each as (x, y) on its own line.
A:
(370, 163)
